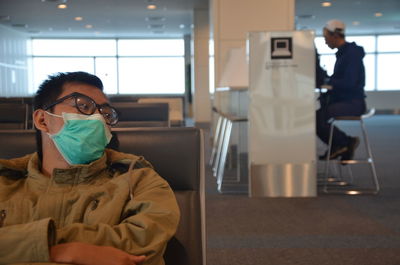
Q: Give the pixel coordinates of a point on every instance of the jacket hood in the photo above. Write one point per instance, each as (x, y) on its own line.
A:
(17, 167)
(352, 48)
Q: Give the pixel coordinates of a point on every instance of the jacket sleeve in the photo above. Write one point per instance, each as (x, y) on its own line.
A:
(149, 219)
(28, 242)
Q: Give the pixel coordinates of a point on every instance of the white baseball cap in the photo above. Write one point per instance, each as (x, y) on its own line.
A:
(335, 25)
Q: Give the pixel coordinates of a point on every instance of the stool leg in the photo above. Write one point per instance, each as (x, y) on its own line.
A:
(328, 157)
(370, 158)
(215, 141)
(224, 152)
(219, 148)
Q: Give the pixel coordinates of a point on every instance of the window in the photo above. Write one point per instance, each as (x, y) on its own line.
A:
(388, 71)
(382, 52)
(126, 66)
(44, 66)
(172, 47)
(71, 47)
(151, 75)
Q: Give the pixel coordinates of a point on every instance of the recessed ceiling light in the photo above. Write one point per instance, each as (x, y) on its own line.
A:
(326, 4)
(78, 18)
(181, 26)
(356, 23)
(151, 7)
(378, 14)
(88, 26)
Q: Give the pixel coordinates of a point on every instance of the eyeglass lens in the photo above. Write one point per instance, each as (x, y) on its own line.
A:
(88, 106)
(85, 105)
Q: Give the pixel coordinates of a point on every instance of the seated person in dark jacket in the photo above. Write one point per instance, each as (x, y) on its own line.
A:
(345, 96)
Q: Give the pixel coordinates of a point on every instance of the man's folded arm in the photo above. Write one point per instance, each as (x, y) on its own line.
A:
(148, 221)
(28, 242)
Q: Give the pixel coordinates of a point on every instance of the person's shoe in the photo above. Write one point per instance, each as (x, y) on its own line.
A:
(351, 148)
(335, 153)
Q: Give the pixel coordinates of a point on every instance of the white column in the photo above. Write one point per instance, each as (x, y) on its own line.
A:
(231, 20)
(200, 77)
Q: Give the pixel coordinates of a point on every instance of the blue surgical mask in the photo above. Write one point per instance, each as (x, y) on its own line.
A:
(82, 139)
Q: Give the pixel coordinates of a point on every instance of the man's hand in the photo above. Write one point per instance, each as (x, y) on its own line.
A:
(86, 254)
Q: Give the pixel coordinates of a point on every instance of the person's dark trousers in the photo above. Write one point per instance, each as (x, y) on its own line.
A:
(354, 107)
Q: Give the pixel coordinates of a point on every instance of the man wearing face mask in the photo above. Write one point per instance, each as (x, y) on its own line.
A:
(74, 201)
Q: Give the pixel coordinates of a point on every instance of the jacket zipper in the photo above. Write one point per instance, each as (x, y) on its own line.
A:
(2, 217)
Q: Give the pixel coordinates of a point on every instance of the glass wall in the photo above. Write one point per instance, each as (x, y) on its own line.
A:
(126, 66)
(382, 52)
(156, 66)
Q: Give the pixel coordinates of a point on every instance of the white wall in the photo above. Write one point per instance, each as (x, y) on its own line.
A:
(200, 83)
(231, 20)
(13, 63)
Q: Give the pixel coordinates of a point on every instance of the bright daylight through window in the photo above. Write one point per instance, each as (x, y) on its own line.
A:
(126, 66)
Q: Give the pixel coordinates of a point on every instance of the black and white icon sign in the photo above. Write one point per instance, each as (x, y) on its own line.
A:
(281, 48)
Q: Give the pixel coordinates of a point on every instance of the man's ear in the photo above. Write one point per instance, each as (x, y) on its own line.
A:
(40, 120)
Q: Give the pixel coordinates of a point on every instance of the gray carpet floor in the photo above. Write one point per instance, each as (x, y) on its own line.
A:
(325, 230)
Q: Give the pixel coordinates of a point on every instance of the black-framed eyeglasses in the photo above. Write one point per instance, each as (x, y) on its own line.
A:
(88, 106)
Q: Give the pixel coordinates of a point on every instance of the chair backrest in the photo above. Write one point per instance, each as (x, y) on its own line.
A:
(14, 116)
(122, 98)
(175, 107)
(16, 143)
(177, 155)
(142, 115)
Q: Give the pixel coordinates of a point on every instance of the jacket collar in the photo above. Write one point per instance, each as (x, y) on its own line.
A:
(73, 175)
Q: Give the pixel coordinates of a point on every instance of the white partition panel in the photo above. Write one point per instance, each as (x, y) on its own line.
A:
(282, 142)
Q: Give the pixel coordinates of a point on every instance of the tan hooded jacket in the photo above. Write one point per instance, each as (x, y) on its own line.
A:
(118, 200)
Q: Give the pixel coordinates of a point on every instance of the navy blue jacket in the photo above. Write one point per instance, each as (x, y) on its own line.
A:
(348, 77)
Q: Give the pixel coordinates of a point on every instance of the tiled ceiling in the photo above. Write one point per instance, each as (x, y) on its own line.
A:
(360, 16)
(173, 18)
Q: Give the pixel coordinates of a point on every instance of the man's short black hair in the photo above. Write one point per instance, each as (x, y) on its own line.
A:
(51, 89)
